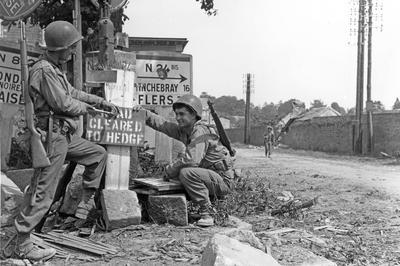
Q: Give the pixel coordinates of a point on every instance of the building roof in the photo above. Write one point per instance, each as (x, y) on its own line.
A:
(318, 112)
(157, 43)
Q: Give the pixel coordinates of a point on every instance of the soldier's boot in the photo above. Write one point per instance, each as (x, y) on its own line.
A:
(206, 219)
(87, 203)
(25, 249)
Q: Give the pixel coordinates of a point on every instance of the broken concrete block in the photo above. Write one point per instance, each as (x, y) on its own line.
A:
(11, 199)
(170, 209)
(233, 221)
(222, 250)
(245, 236)
(73, 192)
(120, 208)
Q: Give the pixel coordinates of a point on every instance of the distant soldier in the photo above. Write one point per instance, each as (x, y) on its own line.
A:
(205, 169)
(269, 140)
(51, 93)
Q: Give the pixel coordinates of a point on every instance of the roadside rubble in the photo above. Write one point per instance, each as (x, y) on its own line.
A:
(280, 237)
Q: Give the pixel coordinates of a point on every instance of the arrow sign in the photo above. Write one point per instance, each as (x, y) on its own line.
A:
(16, 9)
(182, 78)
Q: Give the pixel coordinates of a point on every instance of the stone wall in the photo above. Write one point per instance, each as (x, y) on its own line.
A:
(335, 134)
(332, 134)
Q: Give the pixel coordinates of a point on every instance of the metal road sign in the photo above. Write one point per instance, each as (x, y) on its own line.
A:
(10, 74)
(162, 77)
(16, 9)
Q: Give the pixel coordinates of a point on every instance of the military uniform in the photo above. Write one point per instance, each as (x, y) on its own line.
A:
(206, 169)
(269, 139)
(51, 92)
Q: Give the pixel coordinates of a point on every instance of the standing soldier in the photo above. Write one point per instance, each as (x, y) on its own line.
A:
(57, 102)
(206, 168)
(269, 140)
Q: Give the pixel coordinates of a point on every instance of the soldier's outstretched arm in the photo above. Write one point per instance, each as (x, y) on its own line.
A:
(159, 123)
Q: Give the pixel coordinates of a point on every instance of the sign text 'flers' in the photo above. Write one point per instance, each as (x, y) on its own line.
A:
(161, 78)
(10, 76)
(125, 130)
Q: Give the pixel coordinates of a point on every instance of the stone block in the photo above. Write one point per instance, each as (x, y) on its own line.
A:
(245, 236)
(11, 200)
(120, 208)
(73, 192)
(170, 209)
(222, 250)
(234, 221)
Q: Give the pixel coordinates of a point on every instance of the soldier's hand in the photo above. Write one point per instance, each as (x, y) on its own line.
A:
(137, 108)
(90, 110)
(110, 107)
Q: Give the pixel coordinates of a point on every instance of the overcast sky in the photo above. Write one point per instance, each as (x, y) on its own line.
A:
(295, 49)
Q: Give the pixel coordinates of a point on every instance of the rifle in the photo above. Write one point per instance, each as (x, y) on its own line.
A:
(221, 131)
(38, 152)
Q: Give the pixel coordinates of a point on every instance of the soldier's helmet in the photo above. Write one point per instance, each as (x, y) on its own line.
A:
(190, 101)
(60, 35)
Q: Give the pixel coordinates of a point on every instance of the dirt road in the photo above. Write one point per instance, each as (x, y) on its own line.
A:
(373, 173)
(359, 197)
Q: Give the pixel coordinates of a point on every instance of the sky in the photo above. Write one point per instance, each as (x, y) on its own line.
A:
(295, 49)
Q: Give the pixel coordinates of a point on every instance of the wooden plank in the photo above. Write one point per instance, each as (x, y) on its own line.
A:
(159, 184)
(121, 94)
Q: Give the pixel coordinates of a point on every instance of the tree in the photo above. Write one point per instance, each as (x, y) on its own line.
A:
(267, 115)
(351, 111)
(378, 107)
(396, 104)
(338, 108)
(207, 96)
(229, 106)
(317, 104)
(51, 10)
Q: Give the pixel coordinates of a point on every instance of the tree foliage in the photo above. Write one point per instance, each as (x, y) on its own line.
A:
(396, 105)
(338, 108)
(317, 104)
(51, 10)
(378, 107)
(229, 106)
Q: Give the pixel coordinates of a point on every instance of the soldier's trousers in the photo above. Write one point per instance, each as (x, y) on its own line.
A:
(38, 198)
(201, 184)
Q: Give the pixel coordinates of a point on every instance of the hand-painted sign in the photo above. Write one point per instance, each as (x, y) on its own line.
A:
(10, 75)
(162, 77)
(125, 130)
(16, 9)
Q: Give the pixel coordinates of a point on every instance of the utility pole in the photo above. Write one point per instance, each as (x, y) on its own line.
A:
(357, 145)
(248, 83)
(369, 103)
(77, 19)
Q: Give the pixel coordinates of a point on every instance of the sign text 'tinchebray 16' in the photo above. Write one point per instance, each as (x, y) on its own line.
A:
(162, 77)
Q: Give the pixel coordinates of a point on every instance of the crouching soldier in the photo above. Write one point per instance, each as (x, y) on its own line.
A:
(54, 98)
(206, 169)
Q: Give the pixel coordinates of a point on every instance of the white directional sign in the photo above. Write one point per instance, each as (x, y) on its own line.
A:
(162, 77)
